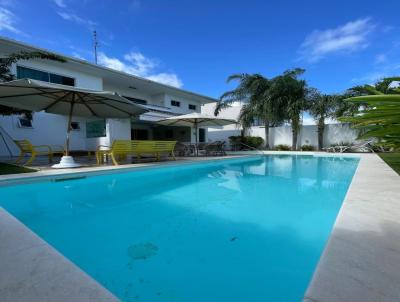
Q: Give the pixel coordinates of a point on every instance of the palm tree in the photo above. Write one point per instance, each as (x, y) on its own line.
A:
(6, 74)
(253, 91)
(322, 106)
(290, 93)
(379, 116)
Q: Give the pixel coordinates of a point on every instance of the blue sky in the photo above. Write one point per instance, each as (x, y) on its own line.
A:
(197, 44)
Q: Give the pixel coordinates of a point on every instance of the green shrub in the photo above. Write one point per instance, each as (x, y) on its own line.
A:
(282, 147)
(307, 148)
(251, 141)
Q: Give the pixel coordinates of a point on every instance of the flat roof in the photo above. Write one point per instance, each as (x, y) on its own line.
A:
(106, 70)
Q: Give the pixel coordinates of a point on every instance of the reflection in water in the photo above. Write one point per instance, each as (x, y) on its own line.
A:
(236, 230)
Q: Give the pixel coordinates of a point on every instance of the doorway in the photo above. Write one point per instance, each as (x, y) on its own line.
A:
(202, 135)
(139, 134)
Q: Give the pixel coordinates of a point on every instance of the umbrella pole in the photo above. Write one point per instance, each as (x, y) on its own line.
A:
(67, 161)
(69, 126)
(196, 126)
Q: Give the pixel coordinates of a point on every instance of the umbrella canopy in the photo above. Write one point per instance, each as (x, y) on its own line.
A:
(36, 95)
(66, 100)
(200, 119)
(196, 120)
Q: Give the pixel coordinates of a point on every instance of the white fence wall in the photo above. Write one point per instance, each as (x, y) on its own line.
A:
(334, 134)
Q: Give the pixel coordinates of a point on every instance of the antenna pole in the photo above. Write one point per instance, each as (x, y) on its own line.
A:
(95, 45)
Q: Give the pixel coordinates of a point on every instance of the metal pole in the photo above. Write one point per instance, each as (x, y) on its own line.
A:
(95, 45)
(69, 125)
(197, 140)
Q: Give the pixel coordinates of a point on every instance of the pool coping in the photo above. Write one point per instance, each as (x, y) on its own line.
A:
(361, 261)
(32, 270)
(59, 174)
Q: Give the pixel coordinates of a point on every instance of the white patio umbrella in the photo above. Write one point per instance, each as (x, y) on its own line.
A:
(196, 120)
(36, 95)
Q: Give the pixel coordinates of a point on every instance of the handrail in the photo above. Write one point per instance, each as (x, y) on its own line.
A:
(251, 147)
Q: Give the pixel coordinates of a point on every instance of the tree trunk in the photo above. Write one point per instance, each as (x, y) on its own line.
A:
(321, 129)
(294, 139)
(266, 129)
(295, 133)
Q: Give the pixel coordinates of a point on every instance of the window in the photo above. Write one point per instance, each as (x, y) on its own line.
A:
(25, 72)
(24, 122)
(175, 103)
(75, 126)
(192, 107)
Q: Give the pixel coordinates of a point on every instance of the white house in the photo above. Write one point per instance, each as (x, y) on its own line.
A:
(161, 100)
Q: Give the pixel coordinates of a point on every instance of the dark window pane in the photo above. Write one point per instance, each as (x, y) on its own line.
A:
(75, 126)
(25, 123)
(58, 79)
(24, 72)
(175, 103)
(192, 107)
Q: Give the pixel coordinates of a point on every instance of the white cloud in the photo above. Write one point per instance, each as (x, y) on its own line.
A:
(76, 19)
(60, 3)
(78, 56)
(137, 64)
(166, 78)
(346, 38)
(7, 21)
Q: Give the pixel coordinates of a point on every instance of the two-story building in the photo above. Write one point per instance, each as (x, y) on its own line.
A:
(161, 100)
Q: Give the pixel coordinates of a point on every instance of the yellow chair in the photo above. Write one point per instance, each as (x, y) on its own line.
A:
(26, 147)
(120, 149)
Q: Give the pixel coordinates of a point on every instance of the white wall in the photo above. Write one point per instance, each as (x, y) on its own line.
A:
(47, 129)
(184, 104)
(334, 134)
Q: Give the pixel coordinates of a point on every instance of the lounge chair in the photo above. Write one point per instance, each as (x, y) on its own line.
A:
(364, 146)
(121, 149)
(182, 149)
(26, 147)
(215, 148)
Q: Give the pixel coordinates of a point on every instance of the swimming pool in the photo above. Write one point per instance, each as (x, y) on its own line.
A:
(245, 229)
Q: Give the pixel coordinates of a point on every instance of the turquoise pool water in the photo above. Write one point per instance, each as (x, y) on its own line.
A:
(232, 230)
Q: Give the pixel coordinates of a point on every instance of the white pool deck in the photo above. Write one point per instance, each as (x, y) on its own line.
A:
(361, 261)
